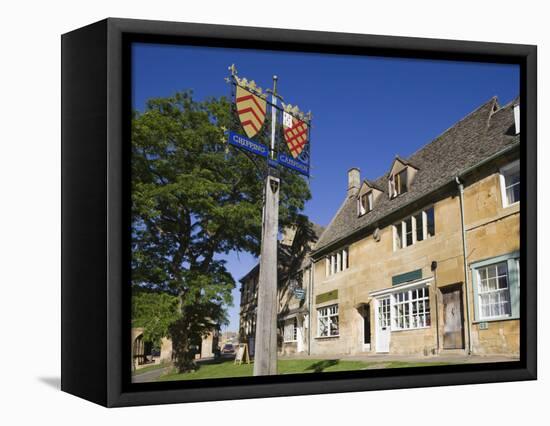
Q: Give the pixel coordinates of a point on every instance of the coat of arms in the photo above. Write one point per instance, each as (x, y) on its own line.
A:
(295, 132)
(251, 110)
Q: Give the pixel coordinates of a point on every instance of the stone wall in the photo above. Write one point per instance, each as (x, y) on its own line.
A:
(491, 231)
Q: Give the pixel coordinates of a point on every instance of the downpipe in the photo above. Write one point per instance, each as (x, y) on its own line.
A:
(460, 186)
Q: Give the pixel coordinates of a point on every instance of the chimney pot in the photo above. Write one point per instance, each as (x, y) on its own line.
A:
(354, 181)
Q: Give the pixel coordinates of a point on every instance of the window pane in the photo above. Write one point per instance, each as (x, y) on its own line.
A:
(346, 258)
(511, 178)
(512, 193)
(409, 231)
(430, 222)
(402, 180)
(323, 327)
(483, 274)
(363, 204)
(512, 184)
(370, 201)
(398, 240)
(419, 227)
(502, 269)
(334, 326)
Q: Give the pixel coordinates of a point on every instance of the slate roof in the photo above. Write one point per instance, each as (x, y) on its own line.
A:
(373, 184)
(481, 134)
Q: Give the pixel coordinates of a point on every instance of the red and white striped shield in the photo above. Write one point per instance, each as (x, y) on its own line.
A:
(251, 110)
(295, 136)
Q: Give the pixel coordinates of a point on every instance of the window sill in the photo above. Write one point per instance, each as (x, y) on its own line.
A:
(290, 341)
(335, 276)
(507, 206)
(326, 337)
(410, 329)
(496, 319)
(397, 250)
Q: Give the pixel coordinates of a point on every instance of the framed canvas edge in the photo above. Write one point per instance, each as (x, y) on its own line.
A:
(526, 55)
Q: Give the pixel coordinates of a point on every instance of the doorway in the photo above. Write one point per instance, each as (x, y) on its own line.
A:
(366, 327)
(453, 322)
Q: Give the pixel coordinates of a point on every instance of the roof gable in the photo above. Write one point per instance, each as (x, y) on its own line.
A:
(367, 186)
(398, 165)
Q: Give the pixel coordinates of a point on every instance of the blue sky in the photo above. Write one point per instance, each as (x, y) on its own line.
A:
(365, 110)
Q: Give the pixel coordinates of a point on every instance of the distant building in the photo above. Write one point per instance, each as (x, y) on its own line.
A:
(294, 288)
(228, 337)
(142, 352)
(210, 345)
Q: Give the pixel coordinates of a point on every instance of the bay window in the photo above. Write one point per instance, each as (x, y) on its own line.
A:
(411, 309)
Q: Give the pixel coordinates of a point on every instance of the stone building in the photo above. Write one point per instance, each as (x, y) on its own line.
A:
(425, 259)
(209, 345)
(294, 288)
(142, 354)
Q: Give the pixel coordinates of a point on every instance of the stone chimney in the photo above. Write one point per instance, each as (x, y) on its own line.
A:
(354, 181)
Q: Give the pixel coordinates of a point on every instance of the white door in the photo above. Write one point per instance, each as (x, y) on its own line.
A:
(383, 331)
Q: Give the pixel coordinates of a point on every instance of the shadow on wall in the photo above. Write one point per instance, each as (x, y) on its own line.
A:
(318, 367)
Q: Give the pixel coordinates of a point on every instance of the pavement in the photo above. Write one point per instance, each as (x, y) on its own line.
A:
(150, 376)
(452, 358)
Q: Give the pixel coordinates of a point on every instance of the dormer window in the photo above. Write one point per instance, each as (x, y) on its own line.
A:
(401, 182)
(398, 183)
(401, 175)
(367, 196)
(366, 203)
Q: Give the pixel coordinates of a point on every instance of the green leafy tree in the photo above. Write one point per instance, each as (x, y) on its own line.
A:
(193, 198)
(155, 312)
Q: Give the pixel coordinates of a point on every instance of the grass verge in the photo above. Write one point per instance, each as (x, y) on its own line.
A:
(226, 368)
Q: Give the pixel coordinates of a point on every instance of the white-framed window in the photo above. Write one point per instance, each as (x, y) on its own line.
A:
(516, 118)
(401, 184)
(510, 184)
(337, 261)
(413, 229)
(291, 330)
(366, 202)
(398, 183)
(411, 309)
(327, 320)
(493, 291)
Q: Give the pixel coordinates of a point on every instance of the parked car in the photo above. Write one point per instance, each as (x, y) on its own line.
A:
(228, 348)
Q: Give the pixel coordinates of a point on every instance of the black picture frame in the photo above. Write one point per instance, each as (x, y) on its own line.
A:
(95, 211)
